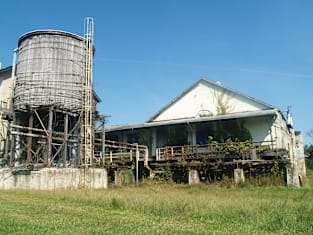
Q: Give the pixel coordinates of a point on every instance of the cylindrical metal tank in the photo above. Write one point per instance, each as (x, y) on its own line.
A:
(50, 70)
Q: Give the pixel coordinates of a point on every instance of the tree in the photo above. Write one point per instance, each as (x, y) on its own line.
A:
(310, 133)
(308, 150)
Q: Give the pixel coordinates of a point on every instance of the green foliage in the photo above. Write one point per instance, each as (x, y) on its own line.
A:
(163, 174)
(231, 146)
(309, 163)
(308, 150)
(128, 177)
(236, 146)
(262, 148)
(275, 170)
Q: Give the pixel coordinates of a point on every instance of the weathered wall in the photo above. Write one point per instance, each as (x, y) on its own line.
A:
(259, 128)
(301, 167)
(207, 98)
(6, 83)
(54, 178)
(293, 174)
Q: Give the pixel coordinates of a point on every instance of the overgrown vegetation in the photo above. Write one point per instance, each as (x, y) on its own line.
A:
(158, 209)
(236, 146)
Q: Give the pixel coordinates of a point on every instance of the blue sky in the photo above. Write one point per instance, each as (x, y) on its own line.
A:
(148, 52)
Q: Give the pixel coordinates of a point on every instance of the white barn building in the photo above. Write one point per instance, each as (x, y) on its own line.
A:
(208, 110)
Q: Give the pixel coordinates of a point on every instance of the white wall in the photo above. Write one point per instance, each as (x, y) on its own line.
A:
(269, 129)
(204, 99)
(260, 128)
(5, 92)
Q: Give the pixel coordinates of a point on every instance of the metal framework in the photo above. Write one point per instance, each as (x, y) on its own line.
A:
(44, 137)
(87, 130)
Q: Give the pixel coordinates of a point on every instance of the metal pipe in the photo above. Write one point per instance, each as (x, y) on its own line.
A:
(7, 146)
(41, 136)
(40, 130)
(65, 139)
(103, 143)
(13, 72)
(43, 126)
(49, 151)
(137, 165)
(29, 139)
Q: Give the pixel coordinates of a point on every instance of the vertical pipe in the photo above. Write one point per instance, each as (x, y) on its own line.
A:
(103, 144)
(30, 139)
(49, 152)
(137, 165)
(13, 76)
(12, 142)
(7, 142)
(65, 139)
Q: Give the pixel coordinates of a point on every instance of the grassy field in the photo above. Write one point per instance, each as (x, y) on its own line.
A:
(159, 209)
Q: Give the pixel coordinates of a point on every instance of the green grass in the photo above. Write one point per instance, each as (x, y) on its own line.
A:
(158, 209)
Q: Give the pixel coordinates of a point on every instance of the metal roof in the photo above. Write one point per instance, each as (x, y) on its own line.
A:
(258, 113)
(50, 32)
(7, 69)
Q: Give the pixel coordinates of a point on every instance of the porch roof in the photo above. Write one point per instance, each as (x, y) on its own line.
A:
(249, 114)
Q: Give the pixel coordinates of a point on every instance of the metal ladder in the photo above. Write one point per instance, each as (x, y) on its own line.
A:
(87, 131)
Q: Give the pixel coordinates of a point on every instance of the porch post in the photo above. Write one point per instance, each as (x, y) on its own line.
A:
(192, 134)
(153, 141)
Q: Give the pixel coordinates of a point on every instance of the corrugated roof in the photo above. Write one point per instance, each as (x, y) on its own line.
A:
(258, 113)
(4, 70)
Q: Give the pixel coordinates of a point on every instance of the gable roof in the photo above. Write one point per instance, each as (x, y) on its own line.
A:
(210, 84)
(6, 70)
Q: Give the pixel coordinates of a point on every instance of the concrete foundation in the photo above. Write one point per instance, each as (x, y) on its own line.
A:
(193, 177)
(54, 178)
(301, 167)
(239, 176)
(293, 175)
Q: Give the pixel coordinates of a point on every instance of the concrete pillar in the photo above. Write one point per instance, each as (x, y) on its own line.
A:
(293, 175)
(301, 166)
(193, 177)
(239, 176)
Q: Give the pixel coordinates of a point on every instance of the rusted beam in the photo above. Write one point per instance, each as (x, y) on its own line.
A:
(29, 139)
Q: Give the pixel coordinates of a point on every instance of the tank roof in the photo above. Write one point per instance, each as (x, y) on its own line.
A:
(49, 32)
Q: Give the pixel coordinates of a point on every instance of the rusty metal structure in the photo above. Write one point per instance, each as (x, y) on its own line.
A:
(215, 161)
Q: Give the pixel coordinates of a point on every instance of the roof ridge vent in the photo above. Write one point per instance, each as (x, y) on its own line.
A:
(218, 83)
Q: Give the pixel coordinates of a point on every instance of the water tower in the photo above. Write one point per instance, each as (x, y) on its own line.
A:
(52, 102)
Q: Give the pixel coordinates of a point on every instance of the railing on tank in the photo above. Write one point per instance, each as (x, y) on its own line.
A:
(242, 150)
(116, 152)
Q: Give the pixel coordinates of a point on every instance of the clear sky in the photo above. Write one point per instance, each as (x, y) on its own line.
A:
(149, 51)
